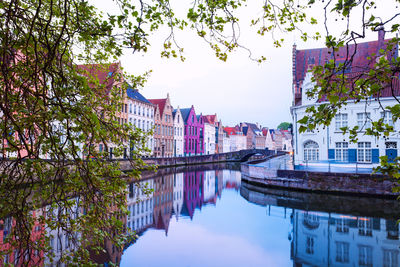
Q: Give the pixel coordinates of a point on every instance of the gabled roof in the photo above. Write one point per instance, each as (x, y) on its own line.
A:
(265, 131)
(245, 129)
(362, 61)
(160, 103)
(231, 130)
(211, 119)
(185, 113)
(176, 111)
(104, 73)
(198, 117)
(134, 94)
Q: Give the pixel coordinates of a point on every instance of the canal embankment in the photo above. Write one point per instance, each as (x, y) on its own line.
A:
(376, 185)
(237, 156)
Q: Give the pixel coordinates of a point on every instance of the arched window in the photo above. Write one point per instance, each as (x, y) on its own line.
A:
(311, 151)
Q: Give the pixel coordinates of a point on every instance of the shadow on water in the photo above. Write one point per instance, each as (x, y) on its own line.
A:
(357, 206)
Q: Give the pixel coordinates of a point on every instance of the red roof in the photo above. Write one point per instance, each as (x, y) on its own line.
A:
(265, 131)
(303, 60)
(211, 119)
(104, 73)
(230, 130)
(160, 103)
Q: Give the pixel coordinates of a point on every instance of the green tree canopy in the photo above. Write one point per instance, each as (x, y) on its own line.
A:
(284, 125)
(50, 108)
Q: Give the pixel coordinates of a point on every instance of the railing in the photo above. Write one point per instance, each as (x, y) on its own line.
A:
(335, 166)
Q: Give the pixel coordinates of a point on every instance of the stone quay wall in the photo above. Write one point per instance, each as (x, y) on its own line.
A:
(334, 183)
(237, 156)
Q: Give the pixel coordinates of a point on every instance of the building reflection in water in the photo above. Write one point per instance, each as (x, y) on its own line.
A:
(178, 194)
(325, 239)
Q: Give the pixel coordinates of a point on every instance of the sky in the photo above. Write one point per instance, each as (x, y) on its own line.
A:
(239, 90)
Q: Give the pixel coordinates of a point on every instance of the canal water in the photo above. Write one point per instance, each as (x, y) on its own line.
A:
(210, 218)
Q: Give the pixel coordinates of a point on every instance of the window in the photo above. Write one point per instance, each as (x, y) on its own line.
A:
(365, 256)
(311, 151)
(387, 118)
(364, 153)
(310, 245)
(134, 109)
(341, 152)
(130, 108)
(342, 252)
(365, 226)
(390, 258)
(363, 120)
(342, 226)
(340, 121)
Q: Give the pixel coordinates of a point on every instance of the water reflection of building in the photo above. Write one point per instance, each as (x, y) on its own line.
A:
(210, 195)
(178, 194)
(31, 254)
(231, 179)
(163, 201)
(140, 206)
(322, 239)
(219, 182)
(193, 192)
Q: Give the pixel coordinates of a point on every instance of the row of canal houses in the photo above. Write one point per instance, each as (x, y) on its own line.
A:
(179, 131)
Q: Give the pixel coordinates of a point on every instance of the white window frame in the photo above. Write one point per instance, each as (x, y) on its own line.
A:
(342, 151)
(364, 152)
(363, 120)
(341, 120)
(311, 151)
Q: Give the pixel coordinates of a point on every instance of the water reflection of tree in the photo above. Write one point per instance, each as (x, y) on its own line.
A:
(55, 224)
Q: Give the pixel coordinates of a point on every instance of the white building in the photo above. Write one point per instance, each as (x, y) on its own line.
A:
(141, 115)
(178, 194)
(209, 138)
(209, 187)
(179, 125)
(237, 140)
(328, 144)
(322, 239)
(140, 206)
(226, 143)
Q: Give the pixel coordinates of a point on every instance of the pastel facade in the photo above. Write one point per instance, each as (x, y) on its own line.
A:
(141, 115)
(108, 77)
(178, 194)
(194, 132)
(140, 207)
(209, 138)
(329, 144)
(164, 127)
(237, 140)
(179, 126)
(219, 131)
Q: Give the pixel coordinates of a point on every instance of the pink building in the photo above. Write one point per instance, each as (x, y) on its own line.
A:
(194, 132)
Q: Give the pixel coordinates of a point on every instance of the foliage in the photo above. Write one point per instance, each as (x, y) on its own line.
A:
(50, 108)
(284, 125)
(337, 87)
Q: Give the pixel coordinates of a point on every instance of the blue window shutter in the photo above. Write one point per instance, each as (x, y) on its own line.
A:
(331, 153)
(352, 155)
(375, 155)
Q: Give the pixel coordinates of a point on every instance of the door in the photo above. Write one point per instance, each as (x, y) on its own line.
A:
(391, 151)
